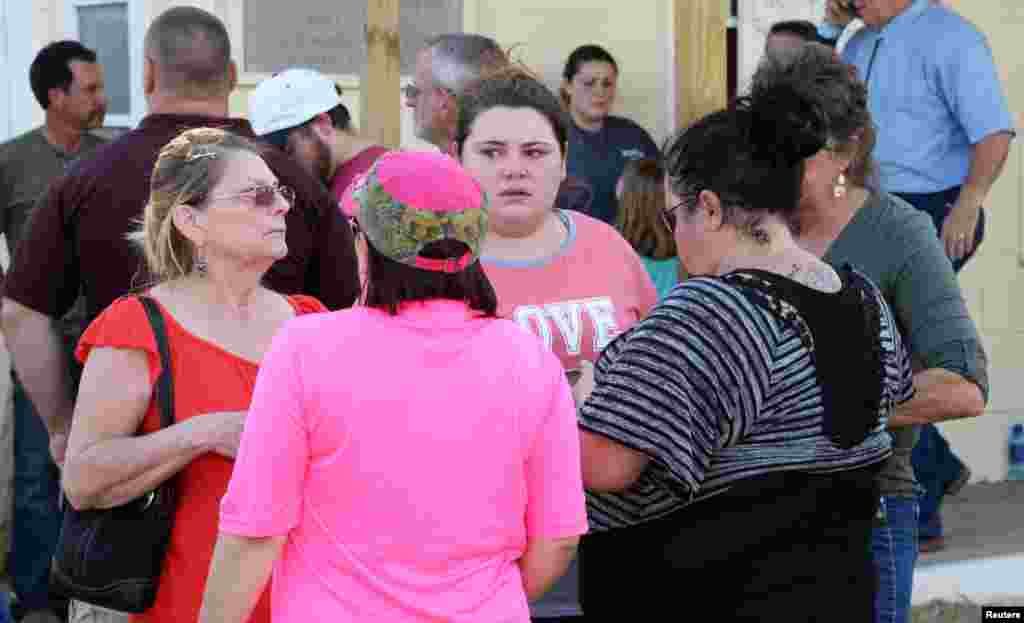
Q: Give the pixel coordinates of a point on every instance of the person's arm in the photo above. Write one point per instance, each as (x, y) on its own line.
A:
(31, 303)
(664, 389)
(939, 395)
(239, 572)
(544, 562)
(951, 381)
(107, 463)
(969, 82)
(987, 160)
(38, 358)
(555, 505)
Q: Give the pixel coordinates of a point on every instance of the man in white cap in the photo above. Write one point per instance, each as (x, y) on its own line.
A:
(300, 111)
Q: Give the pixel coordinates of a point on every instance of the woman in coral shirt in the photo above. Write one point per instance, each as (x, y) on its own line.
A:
(213, 226)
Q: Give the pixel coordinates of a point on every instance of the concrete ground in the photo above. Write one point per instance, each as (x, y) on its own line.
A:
(983, 563)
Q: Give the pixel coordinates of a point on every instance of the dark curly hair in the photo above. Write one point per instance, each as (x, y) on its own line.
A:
(824, 83)
(751, 155)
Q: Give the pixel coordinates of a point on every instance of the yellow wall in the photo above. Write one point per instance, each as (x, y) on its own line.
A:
(637, 35)
(994, 281)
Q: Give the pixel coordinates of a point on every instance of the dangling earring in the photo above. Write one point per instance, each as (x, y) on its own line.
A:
(199, 264)
(839, 188)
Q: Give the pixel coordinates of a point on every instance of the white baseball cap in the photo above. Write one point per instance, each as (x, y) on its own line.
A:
(290, 99)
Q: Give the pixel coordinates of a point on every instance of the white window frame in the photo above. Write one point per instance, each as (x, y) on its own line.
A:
(136, 35)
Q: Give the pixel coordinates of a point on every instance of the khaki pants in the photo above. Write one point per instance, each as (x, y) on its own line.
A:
(81, 612)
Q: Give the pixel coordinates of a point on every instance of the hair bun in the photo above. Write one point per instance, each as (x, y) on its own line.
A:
(784, 126)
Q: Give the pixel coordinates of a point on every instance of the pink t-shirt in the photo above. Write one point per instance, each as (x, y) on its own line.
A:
(577, 301)
(408, 459)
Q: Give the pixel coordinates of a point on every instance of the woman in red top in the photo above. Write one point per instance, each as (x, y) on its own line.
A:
(213, 226)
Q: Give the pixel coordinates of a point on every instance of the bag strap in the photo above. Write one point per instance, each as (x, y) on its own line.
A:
(164, 383)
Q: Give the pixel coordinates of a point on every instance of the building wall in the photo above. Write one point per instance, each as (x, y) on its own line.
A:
(994, 281)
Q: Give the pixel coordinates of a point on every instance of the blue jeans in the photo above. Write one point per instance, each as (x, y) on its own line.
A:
(894, 546)
(5, 607)
(36, 518)
(935, 466)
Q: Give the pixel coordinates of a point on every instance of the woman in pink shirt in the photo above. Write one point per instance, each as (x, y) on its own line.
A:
(568, 277)
(413, 459)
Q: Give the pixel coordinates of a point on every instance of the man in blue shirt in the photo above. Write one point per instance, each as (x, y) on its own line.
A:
(944, 132)
(944, 124)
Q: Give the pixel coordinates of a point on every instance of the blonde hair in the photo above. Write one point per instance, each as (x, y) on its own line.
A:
(639, 218)
(188, 167)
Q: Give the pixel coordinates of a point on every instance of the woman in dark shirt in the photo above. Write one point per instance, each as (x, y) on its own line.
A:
(600, 144)
(732, 439)
(844, 217)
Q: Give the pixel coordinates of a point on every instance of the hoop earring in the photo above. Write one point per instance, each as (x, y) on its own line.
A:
(839, 188)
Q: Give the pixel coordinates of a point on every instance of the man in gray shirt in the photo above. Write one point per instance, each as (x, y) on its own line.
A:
(68, 83)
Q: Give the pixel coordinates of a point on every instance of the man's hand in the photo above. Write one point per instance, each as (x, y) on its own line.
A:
(958, 229)
(836, 13)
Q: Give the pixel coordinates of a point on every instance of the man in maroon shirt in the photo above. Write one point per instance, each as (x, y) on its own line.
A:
(300, 111)
(75, 240)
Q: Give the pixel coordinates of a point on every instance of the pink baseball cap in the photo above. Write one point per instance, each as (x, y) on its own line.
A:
(409, 199)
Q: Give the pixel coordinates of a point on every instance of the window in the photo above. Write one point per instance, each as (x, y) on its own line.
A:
(110, 28)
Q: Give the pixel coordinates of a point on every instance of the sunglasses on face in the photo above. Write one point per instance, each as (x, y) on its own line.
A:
(264, 195)
(668, 216)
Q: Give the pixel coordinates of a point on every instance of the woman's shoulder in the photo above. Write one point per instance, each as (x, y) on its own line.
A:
(894, 218)
(701, 297)
(123, 324)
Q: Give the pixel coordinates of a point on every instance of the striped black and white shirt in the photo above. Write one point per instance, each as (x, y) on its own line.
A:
(720, 384)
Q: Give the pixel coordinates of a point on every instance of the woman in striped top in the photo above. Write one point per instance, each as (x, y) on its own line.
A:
(730, 440)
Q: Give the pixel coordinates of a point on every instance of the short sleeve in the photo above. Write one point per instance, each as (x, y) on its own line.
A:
(556, 505)
(264, 496)
(969, 81)
(123, 324)
(905, 385)
(46, 248)
(674, 384)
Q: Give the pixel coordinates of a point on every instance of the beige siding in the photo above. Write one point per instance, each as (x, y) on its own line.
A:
(994, 281)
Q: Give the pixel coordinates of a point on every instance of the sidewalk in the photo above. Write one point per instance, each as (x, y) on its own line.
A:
(984, 559)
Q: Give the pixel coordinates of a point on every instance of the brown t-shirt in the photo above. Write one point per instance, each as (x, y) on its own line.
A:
(76, 236)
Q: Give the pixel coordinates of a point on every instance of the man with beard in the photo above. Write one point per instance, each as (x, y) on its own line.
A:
(300, 111)
(68, 84)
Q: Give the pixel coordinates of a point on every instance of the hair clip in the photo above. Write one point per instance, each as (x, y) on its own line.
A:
(196, 154)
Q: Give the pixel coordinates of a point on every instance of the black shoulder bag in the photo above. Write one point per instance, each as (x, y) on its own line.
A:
(113, 557)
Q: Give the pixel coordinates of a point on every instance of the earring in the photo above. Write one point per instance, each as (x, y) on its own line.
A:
(839, 189)
(199, 264)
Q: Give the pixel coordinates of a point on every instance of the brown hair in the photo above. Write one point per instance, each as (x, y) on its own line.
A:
(391, 284)
(837, 95)
(193, 52)
(513, 86)
(188, 167)
(643, 198)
